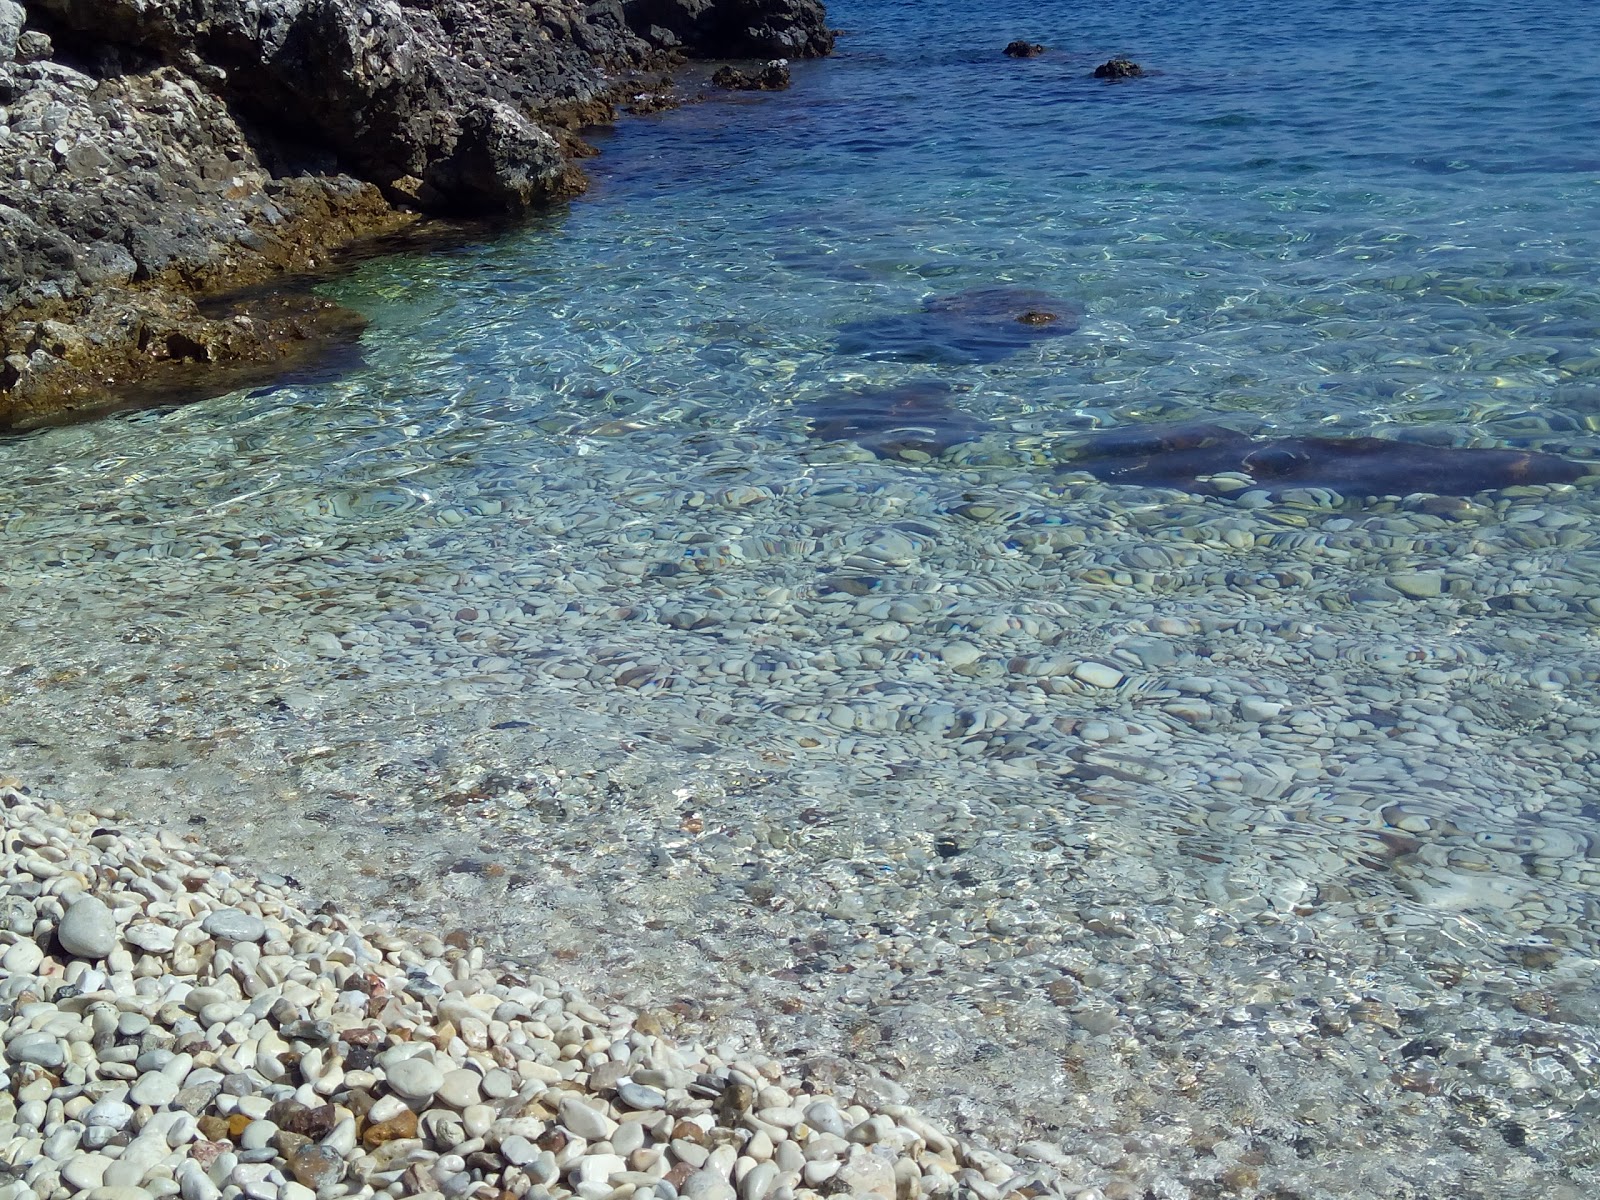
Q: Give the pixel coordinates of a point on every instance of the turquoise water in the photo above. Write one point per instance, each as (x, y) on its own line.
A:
(560, 581)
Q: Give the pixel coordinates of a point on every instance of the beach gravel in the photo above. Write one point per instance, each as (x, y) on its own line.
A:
(273, 1052)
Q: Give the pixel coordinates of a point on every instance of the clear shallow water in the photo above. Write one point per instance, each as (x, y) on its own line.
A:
(553, 622)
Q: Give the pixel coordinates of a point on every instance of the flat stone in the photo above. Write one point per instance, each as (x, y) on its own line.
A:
(234, 925)
(87, 929)
(151, 938)
(518, 1151)
(460, 1088)
(40, 1049)
(1419, 585)
(1097, 674)
(415, 1079)
(155, 1089)
(636, 1095)
(588, 1123)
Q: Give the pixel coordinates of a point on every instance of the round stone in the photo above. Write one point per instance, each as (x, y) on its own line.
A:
(460, 1088)
(155, 1089)
(1098, 674)
(23, 958)
(87, 929)
(415, 1079)
(234, 925)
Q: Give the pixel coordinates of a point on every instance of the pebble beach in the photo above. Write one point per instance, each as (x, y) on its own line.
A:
(175, 1029)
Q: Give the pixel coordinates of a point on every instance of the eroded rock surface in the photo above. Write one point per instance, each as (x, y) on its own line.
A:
(156, 150)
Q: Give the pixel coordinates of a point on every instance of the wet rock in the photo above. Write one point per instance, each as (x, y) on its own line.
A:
(1186, 457)
(1118, 68)
(1022, 49)
(734, 28)
(979, 325)
(772, 77)
(917, 421)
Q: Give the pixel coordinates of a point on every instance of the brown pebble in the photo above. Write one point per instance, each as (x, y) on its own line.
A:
(286, 1143)
(553, 1140)
(360, 1101)
(734, 1102)
(237, 1125)
(213, 1129)
(679, 1175)
(402, 1126)
(1239, 1179)
(458, 939)
(317, 1167)
(314, 1123)
(688, 1131)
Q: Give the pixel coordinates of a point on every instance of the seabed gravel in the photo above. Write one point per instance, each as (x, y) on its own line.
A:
(1180, 846)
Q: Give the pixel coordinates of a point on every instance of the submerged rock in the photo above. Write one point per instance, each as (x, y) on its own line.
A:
(1186, 457)
(772, 77)
(975, 326)
(1118, 68)
(917, 421)
(1021, 49)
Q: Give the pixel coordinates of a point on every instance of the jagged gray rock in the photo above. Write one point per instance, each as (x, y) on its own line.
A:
(151, 150)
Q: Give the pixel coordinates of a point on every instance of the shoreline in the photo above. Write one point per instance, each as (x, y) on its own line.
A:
(175, 1026)
(166, 160)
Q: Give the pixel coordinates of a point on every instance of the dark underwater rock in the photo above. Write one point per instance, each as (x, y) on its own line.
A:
(1185, 456)
(1021, 49)
(975, 326)
(772, 77)
(917, 420)
(1118, 68)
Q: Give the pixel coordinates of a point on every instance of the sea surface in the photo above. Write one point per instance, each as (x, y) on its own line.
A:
(711, 587)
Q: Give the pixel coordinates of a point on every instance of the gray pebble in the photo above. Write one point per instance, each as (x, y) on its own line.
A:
(88, 929)
(234, 925)
(415, 1078)
(638, 1096)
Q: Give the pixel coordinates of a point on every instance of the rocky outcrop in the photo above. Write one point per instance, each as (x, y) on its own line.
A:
(733, 28)
(772, 77)
(1022, 49)
(1118, 68)
(155, 150)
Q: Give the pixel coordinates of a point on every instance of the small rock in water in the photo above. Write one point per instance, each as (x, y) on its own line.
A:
(979, 325)
(1023, 49)
(772, 77)
(1098, 674)
(88, 930)
(1419, 585)
(1118, 68)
